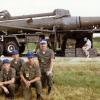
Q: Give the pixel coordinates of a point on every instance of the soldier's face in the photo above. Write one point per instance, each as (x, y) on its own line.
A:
(31, 60)
(43, 47)
(7, 66)
(15, 56)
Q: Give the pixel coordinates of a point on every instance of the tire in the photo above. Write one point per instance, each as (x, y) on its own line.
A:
(1, 49)
(10, 46)
(22, 48)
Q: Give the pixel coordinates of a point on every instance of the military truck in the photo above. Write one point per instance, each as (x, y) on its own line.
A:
(65, 32)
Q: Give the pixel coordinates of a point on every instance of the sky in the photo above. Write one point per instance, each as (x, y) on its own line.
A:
(76, 7)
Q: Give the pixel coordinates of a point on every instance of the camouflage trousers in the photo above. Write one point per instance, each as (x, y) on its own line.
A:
(11, 89)
(27, 92)
(47, 80)
(17, 84)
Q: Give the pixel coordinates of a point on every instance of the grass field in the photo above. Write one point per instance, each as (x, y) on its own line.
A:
(96, 43)
(75, 79)
(78, 79)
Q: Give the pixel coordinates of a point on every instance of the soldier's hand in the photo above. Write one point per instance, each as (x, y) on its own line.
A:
(49, 72)
(28, 84)
(5, 90)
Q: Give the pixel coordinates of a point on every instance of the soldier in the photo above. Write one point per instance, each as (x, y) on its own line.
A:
(86, 47)
(17, 63)
(31, 76)
(46, 58)
(7, 79)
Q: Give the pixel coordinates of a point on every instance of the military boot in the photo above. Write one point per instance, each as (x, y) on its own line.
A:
(39, 97)
(49, 90)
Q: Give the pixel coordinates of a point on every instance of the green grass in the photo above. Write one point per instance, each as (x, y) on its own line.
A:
(78, 80)
(29, 47)
(75, 79)
(79, 75)
(96, 39)
(96, 43)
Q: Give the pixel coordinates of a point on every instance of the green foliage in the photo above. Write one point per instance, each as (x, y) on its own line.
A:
(29, 47)
(96, 43)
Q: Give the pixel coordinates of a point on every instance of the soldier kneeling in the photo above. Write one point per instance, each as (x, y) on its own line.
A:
(7, 79)
(30, 75)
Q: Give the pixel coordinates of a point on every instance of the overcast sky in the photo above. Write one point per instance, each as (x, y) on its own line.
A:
(76, 7)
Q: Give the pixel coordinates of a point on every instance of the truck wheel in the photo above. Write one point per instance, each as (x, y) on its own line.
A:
(22, 48)
(10, 46)
(1, 49)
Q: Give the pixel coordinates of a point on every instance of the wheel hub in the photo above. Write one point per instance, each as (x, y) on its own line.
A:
(11, 48)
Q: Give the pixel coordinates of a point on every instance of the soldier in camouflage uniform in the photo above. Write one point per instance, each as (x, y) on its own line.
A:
(17, 63)
(31, 76)
(45, 58)
(7, 79)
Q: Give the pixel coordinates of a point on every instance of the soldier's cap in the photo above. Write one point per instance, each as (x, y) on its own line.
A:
(15, 52)
(6, 61)
(30, 55)
(43, 42)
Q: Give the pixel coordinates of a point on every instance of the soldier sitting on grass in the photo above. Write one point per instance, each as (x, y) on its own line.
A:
(31, 77)
(17, 63)
(7, 79)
